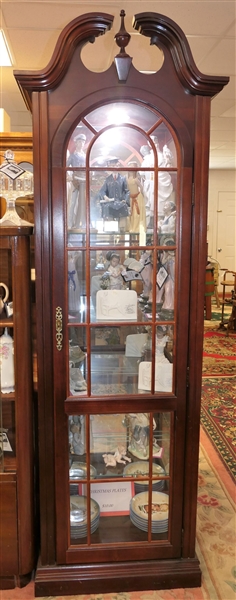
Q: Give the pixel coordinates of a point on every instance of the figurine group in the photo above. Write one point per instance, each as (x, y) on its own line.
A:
(128, 199)
(138, 425)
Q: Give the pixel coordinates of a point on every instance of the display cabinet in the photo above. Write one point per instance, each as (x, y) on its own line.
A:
(120, 213)
(17, 545)
(21, 145)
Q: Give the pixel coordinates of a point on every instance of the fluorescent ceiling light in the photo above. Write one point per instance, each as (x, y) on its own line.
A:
(5, 56)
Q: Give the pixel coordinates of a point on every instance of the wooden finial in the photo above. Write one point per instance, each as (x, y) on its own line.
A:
(122, 60)
(122, 37)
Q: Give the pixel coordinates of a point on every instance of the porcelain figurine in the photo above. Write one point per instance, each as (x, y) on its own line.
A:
(119, 456)
(73, 286)
(3, 300)
(139, 435)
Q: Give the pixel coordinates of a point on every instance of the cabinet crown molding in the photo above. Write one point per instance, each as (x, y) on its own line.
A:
(165, 33)
(81, 30)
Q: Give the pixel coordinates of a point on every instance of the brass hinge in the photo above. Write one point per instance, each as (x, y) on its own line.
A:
(59, 326)
(187, 378)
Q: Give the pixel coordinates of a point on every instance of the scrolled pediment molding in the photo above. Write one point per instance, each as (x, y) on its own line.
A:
(165, 33)
(81, 30)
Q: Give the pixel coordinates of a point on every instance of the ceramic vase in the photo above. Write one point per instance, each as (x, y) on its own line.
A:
(7, 363)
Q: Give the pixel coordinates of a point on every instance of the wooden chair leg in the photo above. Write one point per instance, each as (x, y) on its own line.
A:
(217, 297)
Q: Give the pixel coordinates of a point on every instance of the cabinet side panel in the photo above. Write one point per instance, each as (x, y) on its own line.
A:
(44, 326)
(198, 274)
(8, 529)
(24, 404)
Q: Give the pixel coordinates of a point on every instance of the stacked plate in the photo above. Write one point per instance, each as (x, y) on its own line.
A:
(78, 470)
(78, 516)
(141, 469)
(160, 510)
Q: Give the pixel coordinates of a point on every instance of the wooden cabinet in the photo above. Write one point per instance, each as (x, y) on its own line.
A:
(17, 551)
(120, 213)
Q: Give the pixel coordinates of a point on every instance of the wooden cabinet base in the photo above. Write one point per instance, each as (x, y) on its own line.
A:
(7, 583)
(11, 582)
(107, 578)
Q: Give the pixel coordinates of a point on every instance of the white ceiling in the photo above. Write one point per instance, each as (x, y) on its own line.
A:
(32, 28)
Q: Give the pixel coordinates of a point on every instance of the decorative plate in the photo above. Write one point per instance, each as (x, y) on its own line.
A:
(141, 469)
(78, 510)
(160, 506)
(78, 470)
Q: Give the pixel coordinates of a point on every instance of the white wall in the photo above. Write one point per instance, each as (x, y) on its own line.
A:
(221, 226)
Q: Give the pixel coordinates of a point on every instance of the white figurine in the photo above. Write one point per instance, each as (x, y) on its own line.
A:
(140, 428)
(161, 341)
(165, 186)
(167, 224)
(76, 185)
(73, 285)
(113, 275)
(119, 456)
(167, 290)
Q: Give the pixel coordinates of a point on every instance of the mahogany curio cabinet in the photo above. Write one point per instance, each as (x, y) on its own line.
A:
(121, 177)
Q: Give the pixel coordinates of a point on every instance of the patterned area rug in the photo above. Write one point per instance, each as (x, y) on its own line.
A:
(216, 532)
(218, 391)
(217, 344)
(219, 356)
(218, 417)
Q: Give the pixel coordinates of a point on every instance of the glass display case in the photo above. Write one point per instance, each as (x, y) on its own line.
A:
(120, 265)
(17, 545)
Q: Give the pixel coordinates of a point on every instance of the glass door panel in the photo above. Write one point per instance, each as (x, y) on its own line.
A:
(116, 113)
(123, 481)
(122, 189)
(126, 143)
(116, 440)
(77, 361)
(76, 287)
(121, 360)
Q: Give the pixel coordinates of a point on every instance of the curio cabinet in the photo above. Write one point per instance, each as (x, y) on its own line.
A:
(17, 483)
(121, 178)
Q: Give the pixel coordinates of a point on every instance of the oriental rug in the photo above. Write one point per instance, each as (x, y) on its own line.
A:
(219, 354)
(218, 417)
(218, 393)
(216, 314)
(215, 547)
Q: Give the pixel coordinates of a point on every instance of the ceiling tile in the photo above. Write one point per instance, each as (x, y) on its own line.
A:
(220, 59)
(223, 124)
(33, 27)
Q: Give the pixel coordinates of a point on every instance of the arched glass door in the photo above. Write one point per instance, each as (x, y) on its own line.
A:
(121, 224)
